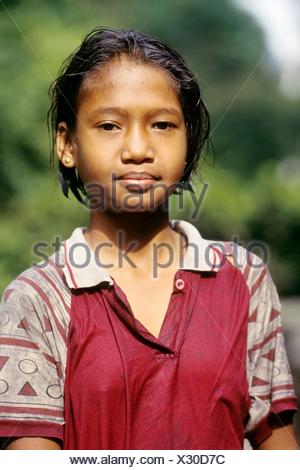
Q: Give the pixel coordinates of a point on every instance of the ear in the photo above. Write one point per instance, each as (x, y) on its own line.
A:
(65, 146)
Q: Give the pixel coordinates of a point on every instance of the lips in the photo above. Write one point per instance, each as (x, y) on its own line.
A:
(137, 181)
(134, 175)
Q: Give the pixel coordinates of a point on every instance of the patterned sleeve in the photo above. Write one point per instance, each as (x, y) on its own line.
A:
(271, 386)
(31, 402)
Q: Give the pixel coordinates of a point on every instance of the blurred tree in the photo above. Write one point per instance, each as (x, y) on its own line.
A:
(254, 127)
(252, 123)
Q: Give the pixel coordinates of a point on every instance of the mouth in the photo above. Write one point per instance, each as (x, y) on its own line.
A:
(137, 182)
(137, 185)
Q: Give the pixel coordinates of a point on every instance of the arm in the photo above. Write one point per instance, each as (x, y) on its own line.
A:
(282, 438)
(32, 404)
(273, 399)
(33, 443)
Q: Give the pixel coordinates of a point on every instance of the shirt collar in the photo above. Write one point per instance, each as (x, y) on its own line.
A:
(82, 270)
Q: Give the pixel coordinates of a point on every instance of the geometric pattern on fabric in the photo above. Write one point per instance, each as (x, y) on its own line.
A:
(34, 322)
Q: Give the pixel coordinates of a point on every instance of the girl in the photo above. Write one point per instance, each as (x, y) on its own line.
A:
(138, 333)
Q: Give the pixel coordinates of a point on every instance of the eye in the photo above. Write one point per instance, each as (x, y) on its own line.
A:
(108, 126)
(164, 125)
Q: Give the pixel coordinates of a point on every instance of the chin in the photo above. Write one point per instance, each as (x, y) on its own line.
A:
(137, 205)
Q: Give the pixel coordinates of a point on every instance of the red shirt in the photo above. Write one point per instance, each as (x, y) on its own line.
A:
(125, 389)
(75, 364)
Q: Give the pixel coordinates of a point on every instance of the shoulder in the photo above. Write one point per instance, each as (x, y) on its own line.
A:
(253, 268)
(41, 289)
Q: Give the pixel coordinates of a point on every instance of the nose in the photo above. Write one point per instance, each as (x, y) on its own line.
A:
(137, 147)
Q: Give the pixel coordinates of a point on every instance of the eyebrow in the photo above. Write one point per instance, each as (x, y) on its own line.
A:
(167, 110)
(109, 110)
(123, 112)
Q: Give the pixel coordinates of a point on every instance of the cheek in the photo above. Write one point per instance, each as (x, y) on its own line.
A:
(93, 164)
(177, 157)
(93, 172)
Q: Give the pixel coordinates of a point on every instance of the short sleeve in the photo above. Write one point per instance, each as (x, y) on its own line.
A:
(31, 398)
(271, 386)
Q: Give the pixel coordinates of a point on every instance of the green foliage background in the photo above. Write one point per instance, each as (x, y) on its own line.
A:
(254, 184)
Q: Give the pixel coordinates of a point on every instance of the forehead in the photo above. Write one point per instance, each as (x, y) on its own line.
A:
(123, 82)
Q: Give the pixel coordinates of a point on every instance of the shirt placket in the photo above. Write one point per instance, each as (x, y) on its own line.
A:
(169, 340)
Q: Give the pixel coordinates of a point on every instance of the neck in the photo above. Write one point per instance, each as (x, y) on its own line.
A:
(136, 233)
(141, 227)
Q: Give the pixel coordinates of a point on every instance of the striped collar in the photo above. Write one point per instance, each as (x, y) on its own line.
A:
(83, 269)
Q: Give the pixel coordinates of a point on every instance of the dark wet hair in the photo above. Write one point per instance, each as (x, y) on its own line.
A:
(99, 47)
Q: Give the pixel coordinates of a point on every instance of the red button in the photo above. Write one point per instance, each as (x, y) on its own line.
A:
(179, 284)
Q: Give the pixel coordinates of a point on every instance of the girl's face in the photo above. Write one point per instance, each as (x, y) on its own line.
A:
(129, 120)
